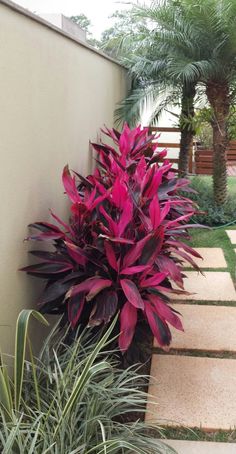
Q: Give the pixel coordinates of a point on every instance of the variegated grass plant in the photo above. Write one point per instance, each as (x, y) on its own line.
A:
(71, 399)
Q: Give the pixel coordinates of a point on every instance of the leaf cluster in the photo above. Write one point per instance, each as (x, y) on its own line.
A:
(184, 43)
(122, 248)
(71, 400)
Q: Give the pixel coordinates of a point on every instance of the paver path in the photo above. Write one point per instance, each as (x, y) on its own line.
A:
(201, 447)
(210, 286)
(207, 328)
(211, 258)
(193, 392)
(232, 235)
(199, 389)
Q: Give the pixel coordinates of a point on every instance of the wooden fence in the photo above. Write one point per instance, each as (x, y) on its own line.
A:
(204, 159)
(200, 162)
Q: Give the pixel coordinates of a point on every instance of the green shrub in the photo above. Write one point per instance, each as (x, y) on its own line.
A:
(73, 399)
(212, 215)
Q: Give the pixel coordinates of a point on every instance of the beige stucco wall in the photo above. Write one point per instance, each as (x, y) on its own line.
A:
(55, 94)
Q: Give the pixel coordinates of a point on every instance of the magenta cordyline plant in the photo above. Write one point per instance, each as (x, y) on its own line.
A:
(122, 248)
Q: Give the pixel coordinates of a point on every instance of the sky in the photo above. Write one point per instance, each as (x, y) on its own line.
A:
(96, 10)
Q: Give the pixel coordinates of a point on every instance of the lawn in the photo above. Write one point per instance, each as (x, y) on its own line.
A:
(216, 237)
(208, 180)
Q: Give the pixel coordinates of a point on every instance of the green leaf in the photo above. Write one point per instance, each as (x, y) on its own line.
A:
(5, 395)
(20, 349)
(86, 374)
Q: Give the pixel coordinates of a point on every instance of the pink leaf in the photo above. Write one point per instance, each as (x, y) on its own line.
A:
(154, 212)
(110, 254)
(141, 170)
(187, 258)
(128, 320)
(181, 218)
(119, 193)
(70, 185)
(48, 232)
(152, 247)
(125, 142)
(103, 283)
(135, 269)
(165, 312)
(153, 182)
(98, 200)
(132, 294)
(113, 227)
(154, 280)
(117, 239)
(92, 286)
(159, 328)
(173, 290)
(135, 252)
(66, 226)
(165, 211)
(167, 265)
(180, 244)
(126, 217)
(76, 253)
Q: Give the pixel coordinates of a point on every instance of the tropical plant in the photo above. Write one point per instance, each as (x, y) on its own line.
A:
(209, 213)
(119, 251)
(150, 51)
(199, 42)
(124, 24)
(73, 399)
(203, 121)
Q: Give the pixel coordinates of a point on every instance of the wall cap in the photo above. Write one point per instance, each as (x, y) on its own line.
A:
(19, 9)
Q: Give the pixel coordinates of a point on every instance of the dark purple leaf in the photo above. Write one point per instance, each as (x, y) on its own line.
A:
(132, 294)
(128, 320)
(48, 268)
(75, 307)
(105, 307)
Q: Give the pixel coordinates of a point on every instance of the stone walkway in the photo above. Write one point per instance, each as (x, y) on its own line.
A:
(194, 384)
(232, 235)
(199, 447)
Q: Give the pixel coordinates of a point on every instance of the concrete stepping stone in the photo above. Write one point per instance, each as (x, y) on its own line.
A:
(201, 447)
(212, 286)
(232, 235)
(205, 328)
(212, 257)
(192, 392)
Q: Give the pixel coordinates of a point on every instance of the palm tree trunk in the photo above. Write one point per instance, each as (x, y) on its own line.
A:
(186, 127)
(219, 99)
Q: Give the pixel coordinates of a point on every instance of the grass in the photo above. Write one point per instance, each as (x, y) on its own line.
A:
(196, 353)
(182, 433)
(212, 303)
(216, 237)
(204, 197)
(230, 180)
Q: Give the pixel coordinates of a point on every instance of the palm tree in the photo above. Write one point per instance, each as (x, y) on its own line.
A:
(197, 40)
(144, 51)
(216, 21)
(155, 89)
